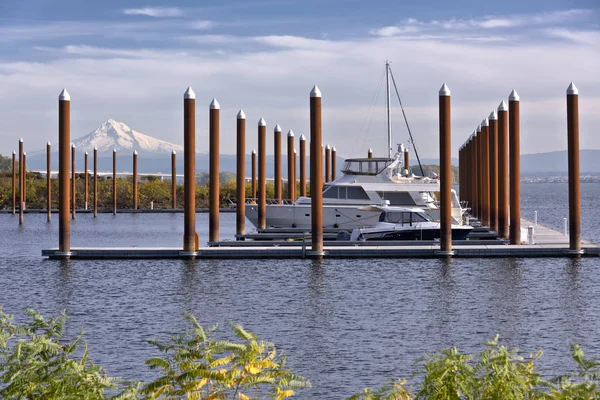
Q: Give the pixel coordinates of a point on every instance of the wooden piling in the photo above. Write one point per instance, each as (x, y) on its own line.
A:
(294, 178)
(135, 180)
(302, 145)
(333, 163)
(173, 180)
(514, 133)
(24, 180)
(370, 153)
(503, 200)
(240, 209)
(21, 178)
(407, 162)
(327, 163)
(316, 173)
(445, 172)
(86, 182)
(262, 174)
(253, 160)
(73, 183)
(114, 181)
(291, 186)
(14, 183)
(277, 163)
(479, 208)
(95, 182)
(64, 142)
(214, 197)
(48, 184)
(485, 171)
(189, 172)
(574, 173)
(493, 136)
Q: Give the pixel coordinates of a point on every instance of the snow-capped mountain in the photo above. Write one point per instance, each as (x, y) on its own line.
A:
(116, 135)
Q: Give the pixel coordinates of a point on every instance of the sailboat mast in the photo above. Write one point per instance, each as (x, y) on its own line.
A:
(389, 116)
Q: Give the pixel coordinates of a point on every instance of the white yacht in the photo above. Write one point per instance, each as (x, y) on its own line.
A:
(364, 181)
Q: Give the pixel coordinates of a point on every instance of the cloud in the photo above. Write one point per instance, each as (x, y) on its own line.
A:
(156, 12)
(587, 37)
(202, 25)
(394, 30)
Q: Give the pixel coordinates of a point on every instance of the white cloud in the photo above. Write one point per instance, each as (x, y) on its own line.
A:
(588, 37)
(202, 25)
(393, 30)
(156, 12)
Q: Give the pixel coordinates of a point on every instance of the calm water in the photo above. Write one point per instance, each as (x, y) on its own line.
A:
(345, 324)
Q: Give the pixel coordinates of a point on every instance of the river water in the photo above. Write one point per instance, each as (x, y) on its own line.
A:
(344, 324)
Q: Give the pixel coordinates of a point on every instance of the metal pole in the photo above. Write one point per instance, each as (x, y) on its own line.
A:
(290, 166)
(302, 166)
(389, 116)
(240, 219)
(173, 180)
(86, 183)
(135, 180)
(214, 196)
(327, 163)
(14, 183)
(189, 171)
(515, 167)
(95, 182)
(64, 141)
(277, 161)
(574, 174)
(73, 183)
(493, 129)
(503, 200)
(48, 184)
(114, 182)
(445, 173)
(262, 174)
(333, 163)
(316, 173)
(253, 160)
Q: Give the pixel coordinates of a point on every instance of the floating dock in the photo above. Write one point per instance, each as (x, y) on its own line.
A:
(548, 243)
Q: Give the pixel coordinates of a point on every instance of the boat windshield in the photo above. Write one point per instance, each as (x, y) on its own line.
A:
(365, 166)
(403, 217)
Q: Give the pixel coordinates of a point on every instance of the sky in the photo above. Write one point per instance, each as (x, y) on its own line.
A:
(132, 61)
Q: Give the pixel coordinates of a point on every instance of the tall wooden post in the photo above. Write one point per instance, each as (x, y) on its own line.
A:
(485, 171)
(333, 163)
(514, 133)
(95, 182)
(253, 160)
(370, 153)
(277, 162)
(574, 174)
(262, 174)
(173, 180)
(240, 185)
(445, 173)
(503, 192)
(214, 196)
(21, 178)
(327, 163)
(73, 183)
(48, 184)
(407, 162)
(290, 167)
(316, 173)
(135, 180)
(114, 181)
(86, 183)
(478, 142)
(189, 172)
(64, 198)
(24, 180)
(294, 179)
(14, 183)
(302, 166)
(493, 129)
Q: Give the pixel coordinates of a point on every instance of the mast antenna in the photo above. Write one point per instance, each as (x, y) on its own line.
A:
(389, 116)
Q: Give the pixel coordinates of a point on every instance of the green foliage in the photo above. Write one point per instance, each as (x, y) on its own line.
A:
(5, 163)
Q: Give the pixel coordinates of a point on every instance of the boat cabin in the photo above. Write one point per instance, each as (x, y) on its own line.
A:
(365, 166)
(404, 217)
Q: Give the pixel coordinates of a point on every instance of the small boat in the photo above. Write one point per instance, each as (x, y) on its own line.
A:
(405, 223)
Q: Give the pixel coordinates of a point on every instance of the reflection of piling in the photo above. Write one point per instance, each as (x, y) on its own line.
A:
(173, 180)
(214, 200)
(48, 185)
(493, 129)
(95, 182)
(445, 172)
(370, 153)
(21, 189)
(14, 183)
(302, 145)
(574, 184)
(64, 140)
(114, 181)
(135, 179)
(86, 183)
(189, 171)
(514, 133)
(290, 166)
(262, 174)
(327, 163)
(485, 171)
(73, 183)
(333, 163)
(240, 217)
(277, 161)
(503, 170)
(253, 160)
(316, 173)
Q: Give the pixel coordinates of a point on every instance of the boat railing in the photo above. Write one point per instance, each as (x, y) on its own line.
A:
(254, 200)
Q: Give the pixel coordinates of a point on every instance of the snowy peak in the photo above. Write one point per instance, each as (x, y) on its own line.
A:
(117, 135)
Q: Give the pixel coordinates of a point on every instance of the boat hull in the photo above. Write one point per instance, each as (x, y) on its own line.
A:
(458, 233)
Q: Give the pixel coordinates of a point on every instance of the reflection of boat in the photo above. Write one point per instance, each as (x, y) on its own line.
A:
(364, 181)
(405, 223)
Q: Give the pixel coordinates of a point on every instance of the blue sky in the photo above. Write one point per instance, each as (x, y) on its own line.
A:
(131, 61)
